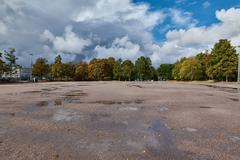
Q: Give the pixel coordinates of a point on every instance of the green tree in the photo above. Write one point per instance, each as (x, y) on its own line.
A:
(40, 68)
(209, 68)
(11, 59)
(224, 61)
(190, 69)
(69, 71)
(143, 68)
(154, 74)
(177, 68)
(57, 69)
(2, 65)
(58, 59)
(128, 70)
(203, 60)
(99, 69)
(118, 70)
(81, 72)
(111, 62)
(165, 71)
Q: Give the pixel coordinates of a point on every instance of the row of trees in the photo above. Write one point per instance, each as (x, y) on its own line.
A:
(97, 69)
(220, 64)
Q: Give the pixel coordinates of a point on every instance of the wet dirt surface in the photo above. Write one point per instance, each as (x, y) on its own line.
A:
(119, 121)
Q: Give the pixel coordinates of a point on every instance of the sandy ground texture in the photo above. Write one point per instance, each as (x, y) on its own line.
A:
(119, 121)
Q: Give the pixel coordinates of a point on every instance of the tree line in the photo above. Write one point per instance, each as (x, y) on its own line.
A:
(96, 69)
(219, 64)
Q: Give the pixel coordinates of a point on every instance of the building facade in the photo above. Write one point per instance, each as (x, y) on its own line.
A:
(18, 73)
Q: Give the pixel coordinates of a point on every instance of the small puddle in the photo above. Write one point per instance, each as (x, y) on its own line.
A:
(128, 109)
(127, 102)
(165, 133)
(12, 114)
(65, 115)
(106, 102)
(235, 139)
(234, 99)
(40, 107)
(83, 85)
(58, 102)
(190, 129)
(105, 121)
(162, 142)
(205, 107)
(46, 110)
(49, 89)
(42, 116)
(135, 85)
(106, 124)
(74, 96)
(163, 109)
(224, 89)
(138, 101)
(42, 103)
(30, 92)
(98, 116)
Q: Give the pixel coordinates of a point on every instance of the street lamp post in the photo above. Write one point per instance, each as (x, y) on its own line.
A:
(238, 50)
(238, 80)
(31, 66)
(239, 67)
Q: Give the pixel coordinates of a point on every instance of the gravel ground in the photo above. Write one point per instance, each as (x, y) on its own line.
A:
(119, 121)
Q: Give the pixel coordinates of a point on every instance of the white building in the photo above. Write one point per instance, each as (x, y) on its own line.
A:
(17, 73)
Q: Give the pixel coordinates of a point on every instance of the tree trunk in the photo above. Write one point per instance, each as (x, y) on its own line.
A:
(226, 78)
(11, 71)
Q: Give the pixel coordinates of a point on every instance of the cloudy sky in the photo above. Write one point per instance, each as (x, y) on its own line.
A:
(164, 30)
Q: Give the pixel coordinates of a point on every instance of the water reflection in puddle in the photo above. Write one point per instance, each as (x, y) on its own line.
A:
(65, 115)
(235, 139)
(190, 129)
(163, 109)
(128, 109)
(160, 141)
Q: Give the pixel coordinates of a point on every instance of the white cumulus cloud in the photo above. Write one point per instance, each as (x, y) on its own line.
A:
(120, 48)
(187, 42)
(70, 42)
(119, 11)
(182, 18)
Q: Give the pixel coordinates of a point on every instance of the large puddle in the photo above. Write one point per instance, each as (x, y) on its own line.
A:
(110, 102)
(224, 89)
(73, 96)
